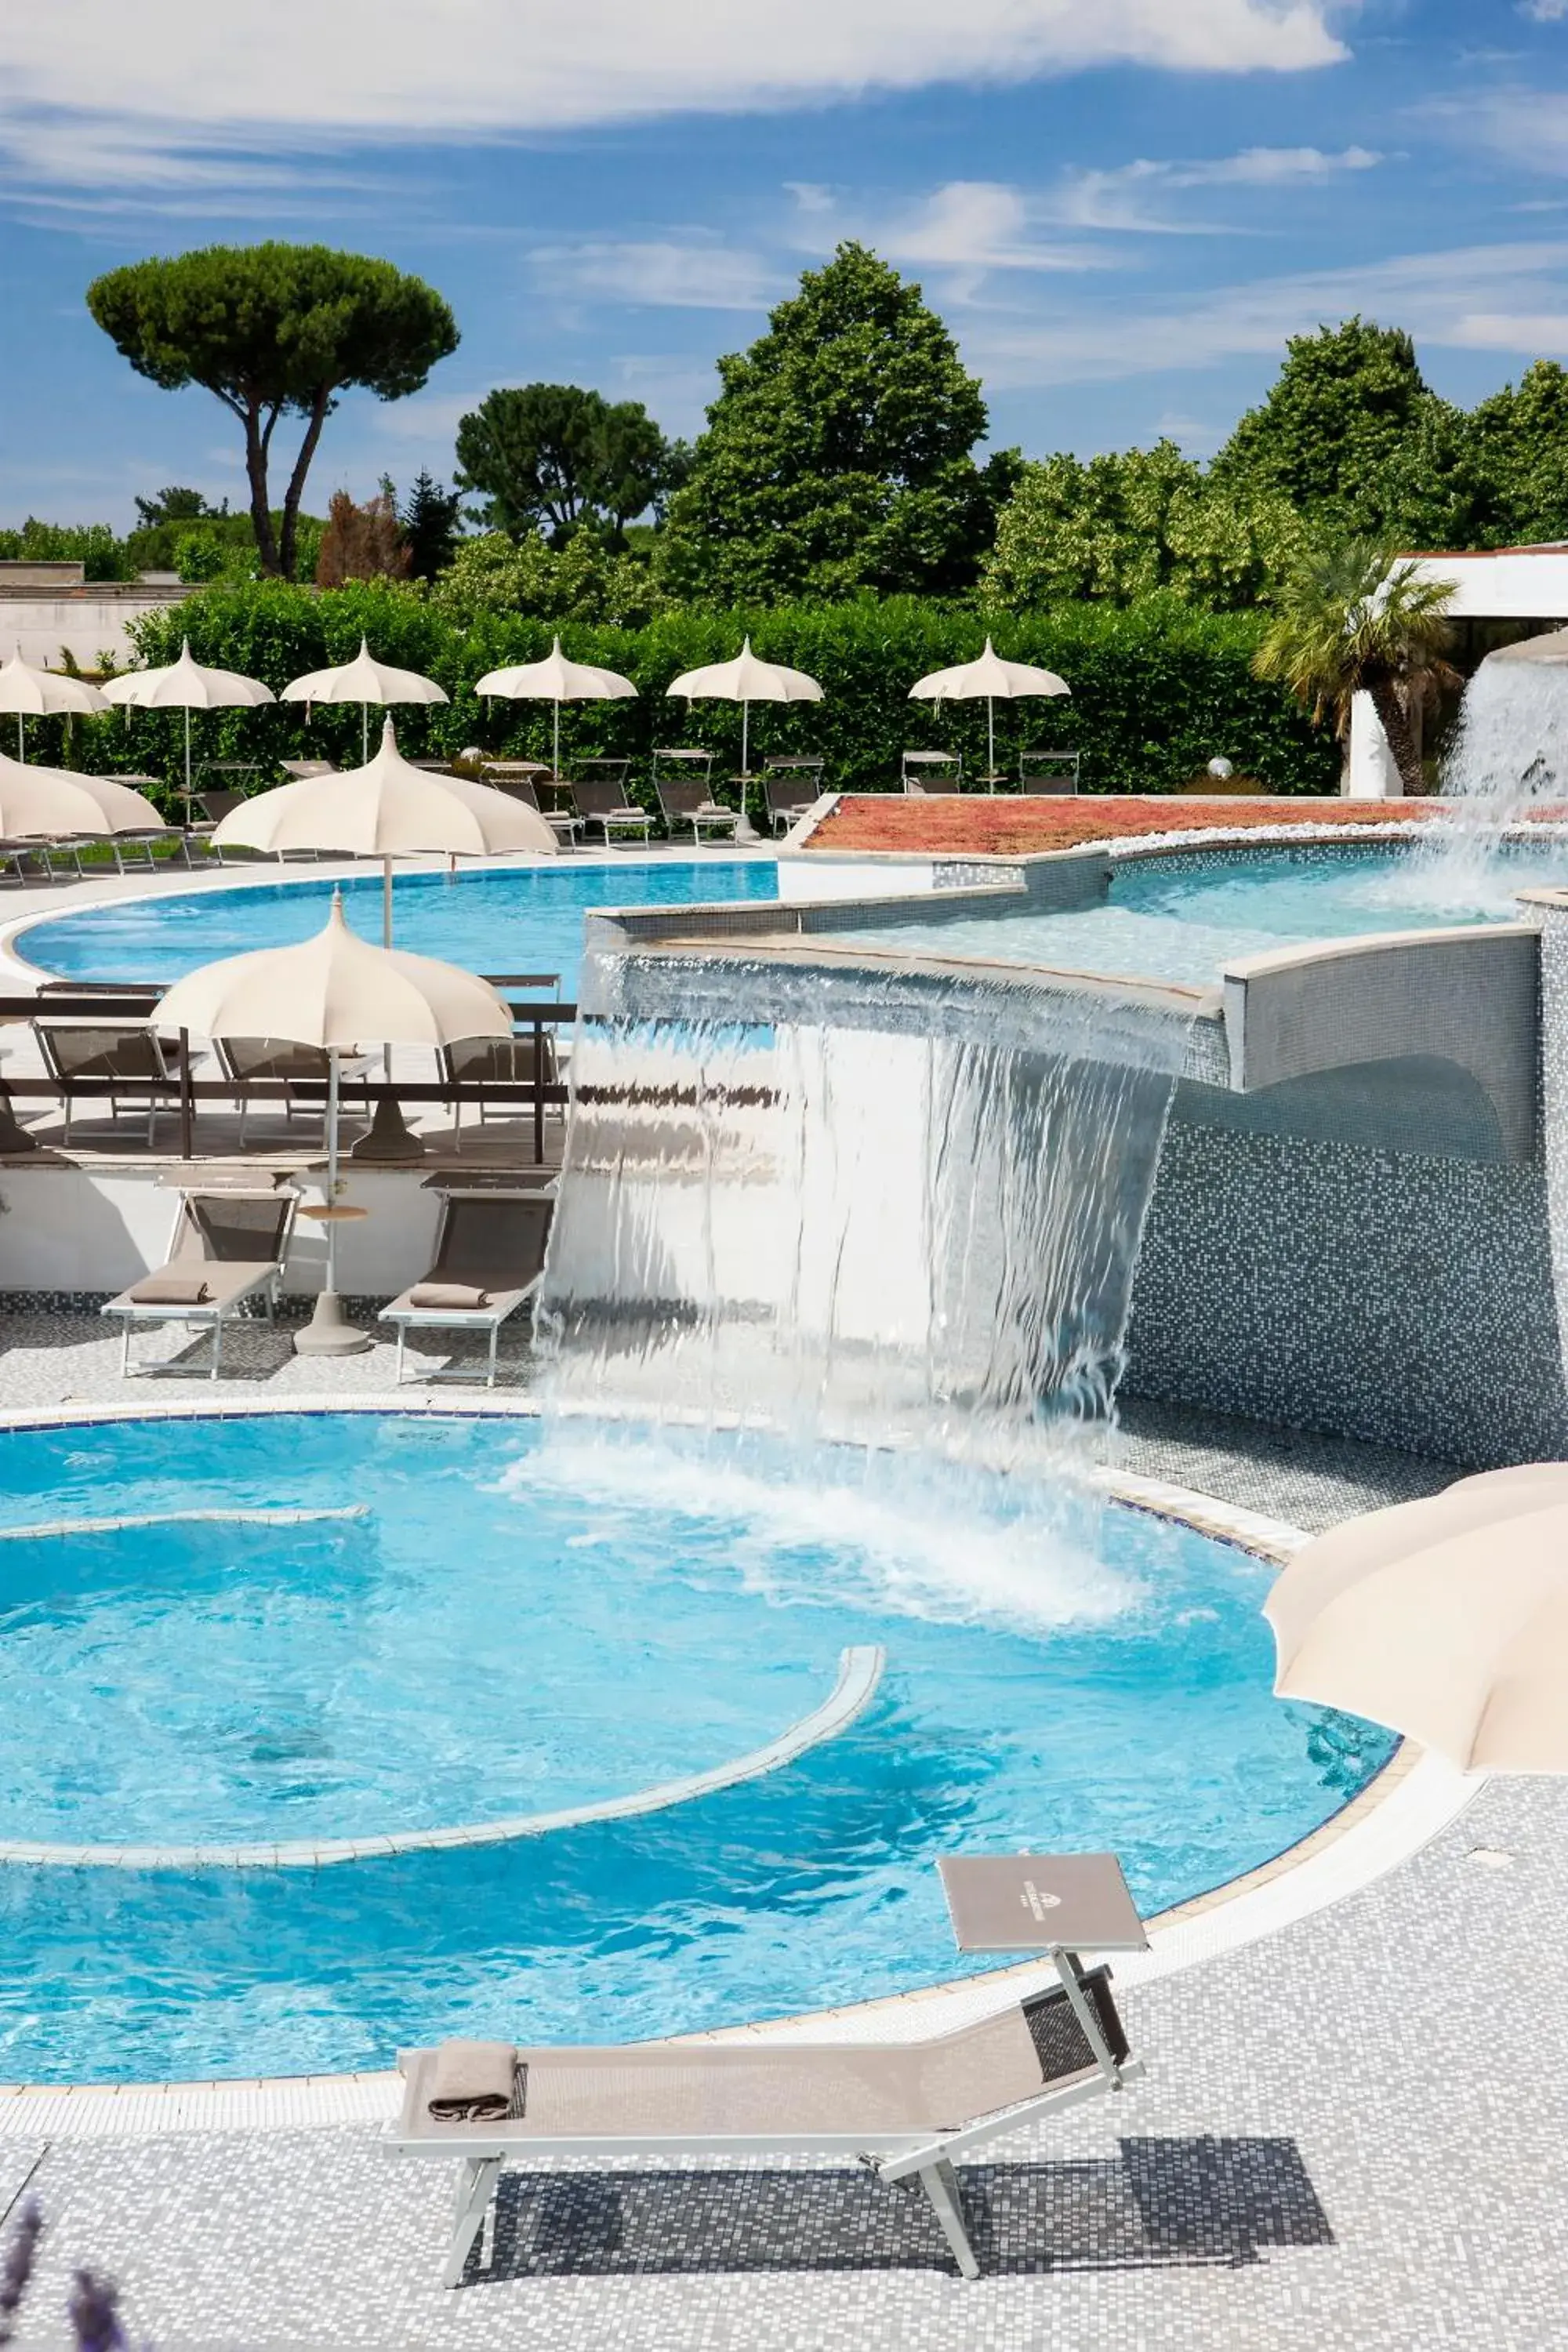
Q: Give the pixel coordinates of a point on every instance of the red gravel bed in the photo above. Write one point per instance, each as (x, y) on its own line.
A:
(1012, 827)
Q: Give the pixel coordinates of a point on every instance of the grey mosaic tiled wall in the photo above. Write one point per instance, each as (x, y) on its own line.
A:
(1403, 1298)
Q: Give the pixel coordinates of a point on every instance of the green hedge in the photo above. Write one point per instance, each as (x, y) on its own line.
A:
(1158, 689)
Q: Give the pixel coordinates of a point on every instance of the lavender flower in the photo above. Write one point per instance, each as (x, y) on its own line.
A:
(17, 2268)
(91, 2311)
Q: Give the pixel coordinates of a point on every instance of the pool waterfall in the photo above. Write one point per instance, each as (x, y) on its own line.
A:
(815, 1197)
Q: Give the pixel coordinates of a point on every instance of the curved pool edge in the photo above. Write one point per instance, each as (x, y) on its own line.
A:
(859, 1675)
(1405, 1805)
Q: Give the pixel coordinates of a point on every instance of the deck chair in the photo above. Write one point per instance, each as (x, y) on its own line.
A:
(490, 1257)
(228, 1245)
(933, 771)
(906, 2110)
(476, 1062)
(791, 788)
(602, 801)
(563, 821)
(243, 1060)
(692, 804)
(131, 1052)
(1048, 772)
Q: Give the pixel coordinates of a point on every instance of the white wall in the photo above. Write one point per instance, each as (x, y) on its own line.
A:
(1371, 771)
(65, 1227)
(89, 625)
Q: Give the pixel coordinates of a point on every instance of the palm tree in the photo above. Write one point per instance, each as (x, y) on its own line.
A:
(1359, 620)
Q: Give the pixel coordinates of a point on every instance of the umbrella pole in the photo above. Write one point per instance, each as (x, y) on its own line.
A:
(364, 734)
(991, 740)
(21, 739)
(745, 830)
(388, 1137)
(187, 767)
(556, 762)
(326, 1333)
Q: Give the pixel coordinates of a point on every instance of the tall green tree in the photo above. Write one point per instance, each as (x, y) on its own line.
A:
(1132, 522)
(1355, 439)
(1355, 621)
(548, 456)
(275, 331)
(1520, 450)
(839, 454)
(429, 520)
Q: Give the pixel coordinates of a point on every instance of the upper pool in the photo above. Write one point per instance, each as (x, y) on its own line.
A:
(499, 1617)
(512, 919)
(1187, 918)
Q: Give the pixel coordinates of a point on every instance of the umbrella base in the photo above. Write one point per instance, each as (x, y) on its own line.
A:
(326, 1334)
(388, 1137)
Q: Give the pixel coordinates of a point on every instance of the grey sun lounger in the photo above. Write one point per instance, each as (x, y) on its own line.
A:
(905, 2110)
(230, 1244)
(490, 1257)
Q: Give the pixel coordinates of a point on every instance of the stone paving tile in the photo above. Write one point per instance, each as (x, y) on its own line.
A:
(1352, 2133)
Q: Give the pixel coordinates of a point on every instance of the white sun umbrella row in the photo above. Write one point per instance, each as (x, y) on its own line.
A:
(997, 680)
(339, 993)
(28, 692)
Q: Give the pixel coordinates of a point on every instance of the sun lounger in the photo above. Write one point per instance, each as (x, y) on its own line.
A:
(906, 2110)
(602, 801)
(77, 1050)
(476, 1062)
(692, 804)
(228, 1245)
(245, 1059)
(791, 788)
(933, 771)
(490, 1257)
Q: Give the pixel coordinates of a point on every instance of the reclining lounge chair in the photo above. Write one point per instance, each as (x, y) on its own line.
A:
(228, 1245)
(489, 1257)
(907, 2110)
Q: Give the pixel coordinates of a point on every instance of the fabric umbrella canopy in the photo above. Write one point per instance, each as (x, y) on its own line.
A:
(33, 693)
(997, 680)
(187, 686)
(745, 680)
(1445, 1620)
(55, 804)
(336, 992)
(364, 680)
(556, 679)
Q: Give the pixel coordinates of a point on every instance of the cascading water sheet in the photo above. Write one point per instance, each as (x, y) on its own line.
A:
(803, 1197)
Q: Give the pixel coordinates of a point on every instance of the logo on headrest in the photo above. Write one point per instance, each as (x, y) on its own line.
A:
(1035, 1900)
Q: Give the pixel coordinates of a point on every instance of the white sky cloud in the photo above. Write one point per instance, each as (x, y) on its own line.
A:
(1448, 299)
(377, 67)
(668, 274)
(1122, 198)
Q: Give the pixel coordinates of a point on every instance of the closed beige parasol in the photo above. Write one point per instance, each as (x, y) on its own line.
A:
(1445, 1620)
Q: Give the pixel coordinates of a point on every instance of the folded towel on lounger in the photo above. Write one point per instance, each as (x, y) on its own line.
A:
(436, 1295)
(472, 2082)
(171, 1290)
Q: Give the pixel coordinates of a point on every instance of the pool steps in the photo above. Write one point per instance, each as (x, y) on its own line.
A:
(859, 1673)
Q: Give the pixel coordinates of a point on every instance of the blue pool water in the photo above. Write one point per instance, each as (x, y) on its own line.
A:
(521, 919)
(1186, 918)
(532, 1617)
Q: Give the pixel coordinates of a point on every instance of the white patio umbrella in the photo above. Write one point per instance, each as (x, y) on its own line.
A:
(745, 680)
(364, 680)
(187, 686)
(997, 680)
(33, 693)
(387, 809)
(1447, 1619)
(556, 679)
(56, 805)
(336, 992)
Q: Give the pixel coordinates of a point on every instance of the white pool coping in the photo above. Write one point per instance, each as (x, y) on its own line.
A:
(1416, 1806)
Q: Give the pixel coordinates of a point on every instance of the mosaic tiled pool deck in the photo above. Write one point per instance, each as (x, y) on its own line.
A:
(1345, 2135)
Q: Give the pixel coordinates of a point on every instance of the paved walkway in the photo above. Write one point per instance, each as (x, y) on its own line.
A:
(1352, 2134)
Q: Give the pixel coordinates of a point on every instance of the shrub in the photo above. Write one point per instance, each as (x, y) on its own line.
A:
(1158, 688)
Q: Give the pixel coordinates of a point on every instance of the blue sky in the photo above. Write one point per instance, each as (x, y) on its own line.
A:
(1120, 207)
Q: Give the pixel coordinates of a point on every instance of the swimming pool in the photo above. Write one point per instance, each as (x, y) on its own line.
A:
(513, 920)
(1187, 918)
(512, 1616)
